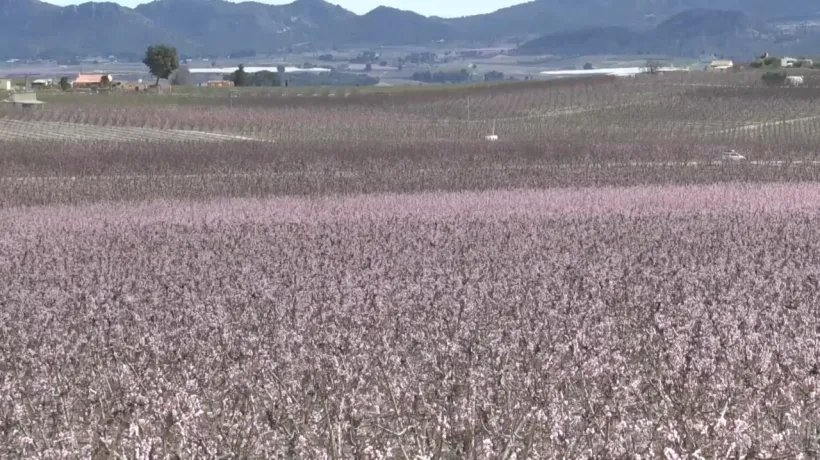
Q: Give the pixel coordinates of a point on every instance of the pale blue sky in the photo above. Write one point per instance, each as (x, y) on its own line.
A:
(443, 8)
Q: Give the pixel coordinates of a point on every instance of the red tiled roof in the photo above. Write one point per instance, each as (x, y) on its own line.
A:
(89, 78)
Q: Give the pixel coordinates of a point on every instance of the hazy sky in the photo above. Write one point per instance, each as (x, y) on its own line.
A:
(443, 8)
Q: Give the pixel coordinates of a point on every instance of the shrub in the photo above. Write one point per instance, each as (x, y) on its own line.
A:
(772, 62)
(774, 78)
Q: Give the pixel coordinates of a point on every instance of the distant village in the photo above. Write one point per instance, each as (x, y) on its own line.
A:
(419, 67)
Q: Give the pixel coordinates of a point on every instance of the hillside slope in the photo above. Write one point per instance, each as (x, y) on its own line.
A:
(217, 27)
(689, 33)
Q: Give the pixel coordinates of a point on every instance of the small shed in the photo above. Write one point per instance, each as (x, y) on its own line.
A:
(24, 101)
(720, 64)
(41, 83)
(794, 80)
(5, 84)
(132, 85)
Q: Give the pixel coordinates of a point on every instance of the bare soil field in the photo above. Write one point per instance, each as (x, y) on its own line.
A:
(368, 278)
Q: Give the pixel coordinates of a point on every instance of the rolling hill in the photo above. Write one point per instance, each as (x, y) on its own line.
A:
(689, 33)
(30, 28)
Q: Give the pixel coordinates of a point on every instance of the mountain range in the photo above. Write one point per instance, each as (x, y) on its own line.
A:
(689, 33)
(32, 28)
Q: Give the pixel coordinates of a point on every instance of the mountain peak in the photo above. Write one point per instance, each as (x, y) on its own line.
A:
(381, 9)
(221, 27)
(313, 5)
(26, 5)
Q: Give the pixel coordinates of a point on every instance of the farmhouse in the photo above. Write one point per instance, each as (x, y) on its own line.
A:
(24, 101)
(91, 80)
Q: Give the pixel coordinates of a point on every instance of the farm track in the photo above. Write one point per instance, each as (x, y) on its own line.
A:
(11, 129)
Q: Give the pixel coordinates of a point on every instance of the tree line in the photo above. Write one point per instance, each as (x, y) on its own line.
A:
(163, 63)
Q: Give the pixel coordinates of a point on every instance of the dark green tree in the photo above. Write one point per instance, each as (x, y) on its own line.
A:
(239, 77)
(181, 77)
(494, 75)
(265, 78)
(774, 78)
(161, 60)
(64, 84)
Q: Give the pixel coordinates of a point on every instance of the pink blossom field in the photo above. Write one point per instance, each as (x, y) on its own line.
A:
(646, 322)
(642, 201)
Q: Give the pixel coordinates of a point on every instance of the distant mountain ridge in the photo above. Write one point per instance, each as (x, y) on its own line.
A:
(692, 32)
(32, 28)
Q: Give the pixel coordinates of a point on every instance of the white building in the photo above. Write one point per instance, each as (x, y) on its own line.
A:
(615, 71)
(794, 80)
(41, 83)
(790, 62)
(721, 64)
